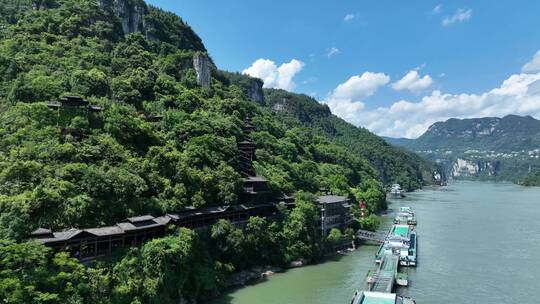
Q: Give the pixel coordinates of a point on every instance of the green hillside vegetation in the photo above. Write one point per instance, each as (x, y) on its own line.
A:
(532, 180)
(393, 165)
(507, 134)
(104, 167)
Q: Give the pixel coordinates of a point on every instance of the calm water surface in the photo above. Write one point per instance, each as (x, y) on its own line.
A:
(478, 243)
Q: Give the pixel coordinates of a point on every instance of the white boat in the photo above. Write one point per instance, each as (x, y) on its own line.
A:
(395, 191)
(402, 279)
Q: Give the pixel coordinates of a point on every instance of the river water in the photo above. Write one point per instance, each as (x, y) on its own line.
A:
(477, 243)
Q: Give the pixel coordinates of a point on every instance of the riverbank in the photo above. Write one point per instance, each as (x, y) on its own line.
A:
(533, 180)
(494, 246)
(250, 276)
(257, 275)
(332, 280)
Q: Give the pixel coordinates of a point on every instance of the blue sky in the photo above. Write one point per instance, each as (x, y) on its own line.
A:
(455, 52)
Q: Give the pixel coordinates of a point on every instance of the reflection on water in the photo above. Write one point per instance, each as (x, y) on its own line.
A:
(478, 243)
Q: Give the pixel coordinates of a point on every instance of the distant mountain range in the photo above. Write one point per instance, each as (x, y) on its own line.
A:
(505, 148)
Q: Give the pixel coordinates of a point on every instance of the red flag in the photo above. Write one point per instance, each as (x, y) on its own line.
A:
(362, 208)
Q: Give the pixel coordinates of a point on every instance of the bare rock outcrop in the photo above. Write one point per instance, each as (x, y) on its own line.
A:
(131, 14)
(202, 66)
(255, 91)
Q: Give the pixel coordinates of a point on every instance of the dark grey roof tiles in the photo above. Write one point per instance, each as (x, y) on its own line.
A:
(163, 220)
(258, 179)
(138, 219)
(332, 199)
(104, 231)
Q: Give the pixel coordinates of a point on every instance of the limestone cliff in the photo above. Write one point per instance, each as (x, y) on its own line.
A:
(131, 14)
(202, 66)
(474, 168)
(255, 90)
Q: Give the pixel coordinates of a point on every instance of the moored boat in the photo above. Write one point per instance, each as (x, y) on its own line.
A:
(396, 192)
(402, 279)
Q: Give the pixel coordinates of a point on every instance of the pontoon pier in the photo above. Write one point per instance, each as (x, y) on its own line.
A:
(398, 249)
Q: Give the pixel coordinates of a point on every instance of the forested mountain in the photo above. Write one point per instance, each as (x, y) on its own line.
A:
(505, 148)
(392, 164)
(508, 134)
(160, 135)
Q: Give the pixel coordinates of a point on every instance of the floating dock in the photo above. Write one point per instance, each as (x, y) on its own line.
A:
(401, 241)
(405, 216)
(398, 248)
(384, 279)
(367, 297)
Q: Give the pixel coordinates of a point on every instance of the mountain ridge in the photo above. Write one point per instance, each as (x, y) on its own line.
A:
(389, 161)
(504, 148)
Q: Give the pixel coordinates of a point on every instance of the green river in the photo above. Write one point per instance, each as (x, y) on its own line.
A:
(477, 243)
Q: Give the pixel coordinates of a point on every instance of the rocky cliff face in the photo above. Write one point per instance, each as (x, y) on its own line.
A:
(131, 14)
(488, 148)
(255, 91)
(473, 168)
(202, 66)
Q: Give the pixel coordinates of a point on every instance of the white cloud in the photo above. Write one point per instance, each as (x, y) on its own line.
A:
(349, 17)
(273, 76)
(533, 65)
(437, 9)
(332, 52)
(413, 82)
(346, 99)
(461, 15)
(360, 87)
(519, 94)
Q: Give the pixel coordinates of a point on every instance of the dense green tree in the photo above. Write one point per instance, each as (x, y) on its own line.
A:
(372, 192)
(301, 231)
(532, 180)
(89, 83)
(164, 271)
(259, 246)
(229, 243)
(335, 237)
(31, 274)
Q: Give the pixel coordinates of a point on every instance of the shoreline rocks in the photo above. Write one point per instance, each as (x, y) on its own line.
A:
(246, 277)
